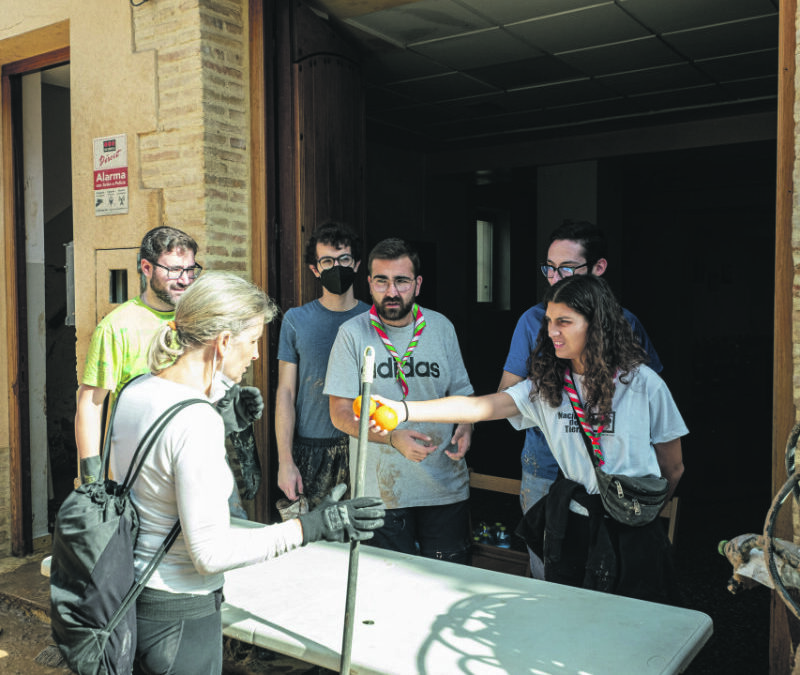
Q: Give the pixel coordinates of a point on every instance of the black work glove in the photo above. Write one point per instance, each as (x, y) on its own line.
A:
(91, 468)
(353, 519)
(240, 407)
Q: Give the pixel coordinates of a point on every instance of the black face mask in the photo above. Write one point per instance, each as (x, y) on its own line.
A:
(337, 279)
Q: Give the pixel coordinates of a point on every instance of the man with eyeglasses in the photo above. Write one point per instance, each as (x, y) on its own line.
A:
(120, 342)
(576, 247)
(313, 456)
(418, 469)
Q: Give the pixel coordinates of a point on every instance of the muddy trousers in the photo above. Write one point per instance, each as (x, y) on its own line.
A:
(440, 532)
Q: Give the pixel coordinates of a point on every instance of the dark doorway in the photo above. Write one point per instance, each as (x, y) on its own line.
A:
(692, 239)
(46, 318)
(697, 251)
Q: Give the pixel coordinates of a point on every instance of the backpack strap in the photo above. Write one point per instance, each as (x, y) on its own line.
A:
(138, 586)
(151, 435)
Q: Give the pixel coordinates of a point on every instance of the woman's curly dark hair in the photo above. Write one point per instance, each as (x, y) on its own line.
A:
(611, 346)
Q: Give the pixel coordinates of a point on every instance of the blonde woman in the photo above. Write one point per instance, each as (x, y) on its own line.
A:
(212, 341)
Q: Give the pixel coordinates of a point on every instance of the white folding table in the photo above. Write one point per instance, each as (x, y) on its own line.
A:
(419, 616)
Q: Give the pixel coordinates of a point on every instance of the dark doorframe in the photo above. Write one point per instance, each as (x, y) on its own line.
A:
(307, 140)
(262, 171)
(783, 624)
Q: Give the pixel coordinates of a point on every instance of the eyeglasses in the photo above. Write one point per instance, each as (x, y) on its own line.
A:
(174, 273)
(563, 272)
(382, 284)
(327, 262)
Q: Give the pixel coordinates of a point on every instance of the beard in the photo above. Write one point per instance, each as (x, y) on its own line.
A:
(163, 292)
(400, 311)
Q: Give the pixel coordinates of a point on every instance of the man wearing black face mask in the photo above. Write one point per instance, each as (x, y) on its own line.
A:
(312, 453)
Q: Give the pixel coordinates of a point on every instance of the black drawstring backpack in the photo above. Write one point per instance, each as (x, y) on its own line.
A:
(92, 587)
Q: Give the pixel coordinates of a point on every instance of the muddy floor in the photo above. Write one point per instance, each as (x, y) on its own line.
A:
(25, 650)
(22, 639)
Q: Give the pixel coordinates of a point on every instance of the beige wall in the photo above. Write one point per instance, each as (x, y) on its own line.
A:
(173, 76)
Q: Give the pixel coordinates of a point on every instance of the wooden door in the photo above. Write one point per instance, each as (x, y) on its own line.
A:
(308, 166)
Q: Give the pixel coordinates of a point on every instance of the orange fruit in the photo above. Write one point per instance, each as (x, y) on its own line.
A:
(357, 406)
(385, 417)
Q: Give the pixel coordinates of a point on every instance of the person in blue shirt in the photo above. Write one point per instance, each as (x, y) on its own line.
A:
(313, 455)
(576, 247)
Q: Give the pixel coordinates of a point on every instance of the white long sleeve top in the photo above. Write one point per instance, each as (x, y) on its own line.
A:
(186, 475)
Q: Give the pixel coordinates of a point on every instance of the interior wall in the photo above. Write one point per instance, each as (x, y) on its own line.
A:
(395, 207)
(35, 294)
(698, 270)
(60, 360)
(51, 343)
(565, 191)
(683, 228)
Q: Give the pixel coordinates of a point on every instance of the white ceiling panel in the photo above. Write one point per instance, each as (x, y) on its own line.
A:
(419, 21)
(473, 50)
(741, 66)
(621, 57)
(728, 38)
(400, 64)
(664, 16)
(675, 76)
(526, 73)
(597, 25)
(558, 94)
(440, 88)
(441, 70)
(502, 12)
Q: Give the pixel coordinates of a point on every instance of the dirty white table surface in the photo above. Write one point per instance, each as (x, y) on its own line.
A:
(416, 615)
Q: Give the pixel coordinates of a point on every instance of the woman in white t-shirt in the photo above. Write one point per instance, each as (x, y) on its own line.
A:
(213, 339)
(585, 344)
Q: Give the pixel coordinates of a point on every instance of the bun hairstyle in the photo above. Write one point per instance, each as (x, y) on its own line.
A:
(215, 303)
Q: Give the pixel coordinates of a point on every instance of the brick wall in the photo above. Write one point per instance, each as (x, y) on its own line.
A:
(198, 155)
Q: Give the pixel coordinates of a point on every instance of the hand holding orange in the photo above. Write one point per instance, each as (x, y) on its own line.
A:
(382, 415)
(385, 417)
(357, 406)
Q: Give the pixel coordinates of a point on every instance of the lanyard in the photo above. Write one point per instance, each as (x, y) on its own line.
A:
(594, 436)
(419, 325)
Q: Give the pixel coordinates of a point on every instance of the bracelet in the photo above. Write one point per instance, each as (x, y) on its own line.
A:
(389, 439)
(405, 405)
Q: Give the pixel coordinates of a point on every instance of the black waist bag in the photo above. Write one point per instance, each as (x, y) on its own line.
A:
(632, 500)
(92, 588)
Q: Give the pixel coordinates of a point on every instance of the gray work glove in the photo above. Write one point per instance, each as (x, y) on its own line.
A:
(91, 468)
(240, 407)
(353, 519)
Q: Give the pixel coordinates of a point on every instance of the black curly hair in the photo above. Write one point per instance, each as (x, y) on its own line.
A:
(333, 234)
(611, 347)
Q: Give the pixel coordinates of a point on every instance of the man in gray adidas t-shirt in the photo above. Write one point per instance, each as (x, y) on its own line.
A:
(418, 469)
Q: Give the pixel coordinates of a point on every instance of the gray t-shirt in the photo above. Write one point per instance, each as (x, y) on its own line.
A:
(435, 369)
(307, 335)
(643, 413)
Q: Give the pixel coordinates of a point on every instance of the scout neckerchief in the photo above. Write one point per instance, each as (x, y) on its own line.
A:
(594, 436)
(419, 324)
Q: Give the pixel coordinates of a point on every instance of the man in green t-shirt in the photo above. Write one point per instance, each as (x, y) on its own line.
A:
(120, 343)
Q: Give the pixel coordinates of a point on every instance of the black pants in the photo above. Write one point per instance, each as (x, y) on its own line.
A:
(440, 532)
(179, 634)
